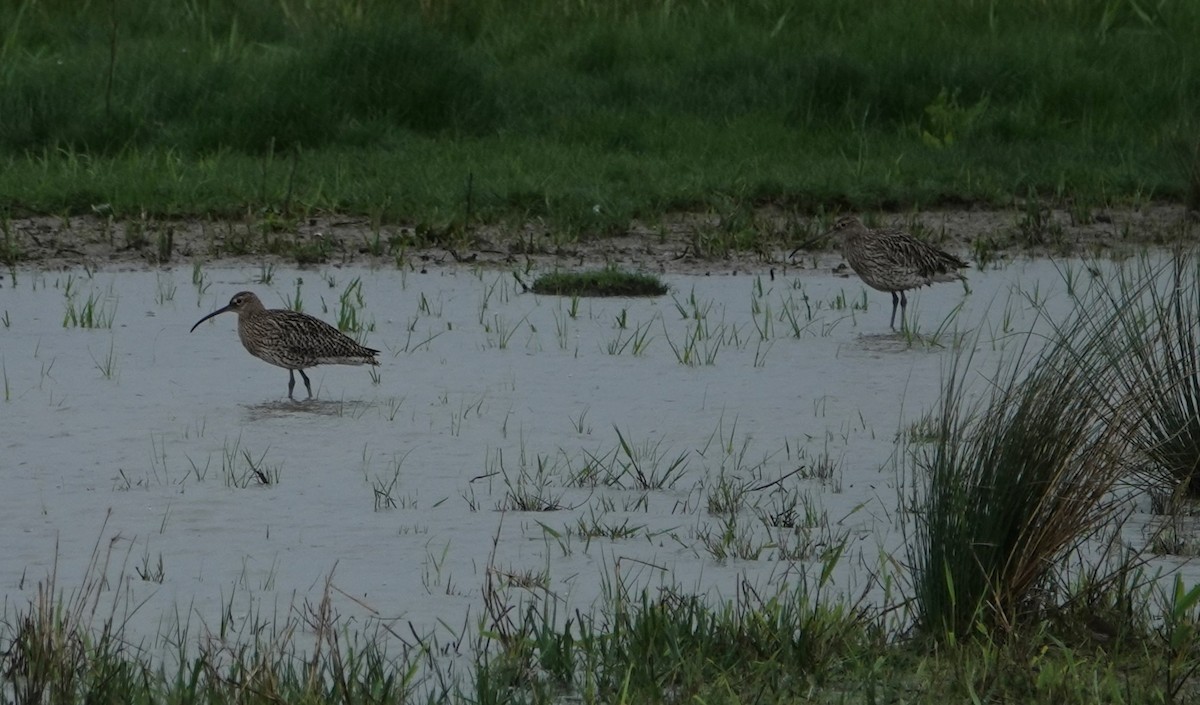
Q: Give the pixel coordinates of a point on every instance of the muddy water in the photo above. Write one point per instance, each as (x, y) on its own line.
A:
(626, 422)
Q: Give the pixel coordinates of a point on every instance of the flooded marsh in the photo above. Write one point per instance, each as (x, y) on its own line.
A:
(739, 430)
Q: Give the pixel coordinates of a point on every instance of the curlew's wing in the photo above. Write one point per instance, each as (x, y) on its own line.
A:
(315, 340)
(922, 260)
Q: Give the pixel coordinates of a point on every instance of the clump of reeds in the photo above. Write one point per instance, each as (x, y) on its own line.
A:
(1151, 350)
(1016, 478)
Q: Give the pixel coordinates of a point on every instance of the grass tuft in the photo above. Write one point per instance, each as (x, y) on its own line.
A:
(1009, 486)
(1145, 318)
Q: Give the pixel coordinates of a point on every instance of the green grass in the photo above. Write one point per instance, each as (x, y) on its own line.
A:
(609, 281)
(665, 646)
(589, 114)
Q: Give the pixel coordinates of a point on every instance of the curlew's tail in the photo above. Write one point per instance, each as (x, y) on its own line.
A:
(362, 356)
(947, 276)
(941, 266)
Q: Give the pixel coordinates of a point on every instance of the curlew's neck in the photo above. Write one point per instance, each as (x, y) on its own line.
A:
(853, 235)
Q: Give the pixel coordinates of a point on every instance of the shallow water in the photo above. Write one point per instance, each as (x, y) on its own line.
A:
(145, 443)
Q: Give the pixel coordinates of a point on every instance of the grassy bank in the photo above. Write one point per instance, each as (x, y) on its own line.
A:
(589, 114)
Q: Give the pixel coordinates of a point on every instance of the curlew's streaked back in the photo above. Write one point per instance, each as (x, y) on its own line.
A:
(290, 339)
(890, 259)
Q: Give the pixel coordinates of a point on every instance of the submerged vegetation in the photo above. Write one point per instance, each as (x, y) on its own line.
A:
(586, 115)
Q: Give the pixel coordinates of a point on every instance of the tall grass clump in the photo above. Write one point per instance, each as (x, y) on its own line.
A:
(1146, 317)
(1019, 476)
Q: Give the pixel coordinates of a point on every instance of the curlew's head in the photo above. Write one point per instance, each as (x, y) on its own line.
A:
(846, 224)
(242, 302)
(846, 229)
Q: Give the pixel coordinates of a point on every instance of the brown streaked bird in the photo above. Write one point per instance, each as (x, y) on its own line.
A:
(889, 259)
(290, 339)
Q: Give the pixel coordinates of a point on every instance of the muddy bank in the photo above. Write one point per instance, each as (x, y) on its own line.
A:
(678, 243)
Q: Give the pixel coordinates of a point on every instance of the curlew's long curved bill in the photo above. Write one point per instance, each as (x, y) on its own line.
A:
(219, 311)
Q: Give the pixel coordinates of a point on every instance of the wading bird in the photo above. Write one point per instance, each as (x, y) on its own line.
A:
(889, 259)
(290, 339)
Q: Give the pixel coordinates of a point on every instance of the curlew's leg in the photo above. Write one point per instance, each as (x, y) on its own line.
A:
(903, 311)
(895, 301)
(291, 383)
(307, 385)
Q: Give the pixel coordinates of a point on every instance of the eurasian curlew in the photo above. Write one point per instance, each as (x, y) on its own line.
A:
(290, 339)
(889, 259)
